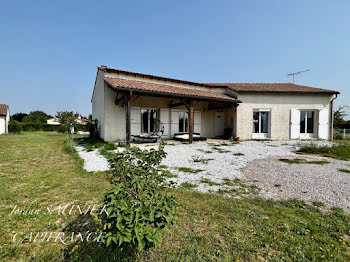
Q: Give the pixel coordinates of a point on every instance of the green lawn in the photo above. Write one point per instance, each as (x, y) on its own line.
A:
(35, 169)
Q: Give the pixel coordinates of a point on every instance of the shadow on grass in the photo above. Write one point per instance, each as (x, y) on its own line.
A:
(92, 250)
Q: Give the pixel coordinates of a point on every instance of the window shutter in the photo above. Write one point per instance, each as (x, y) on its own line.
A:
(197, 121)
(323, 117)
(135, 120)
(164, 119)
(174, 122)
(294, 123)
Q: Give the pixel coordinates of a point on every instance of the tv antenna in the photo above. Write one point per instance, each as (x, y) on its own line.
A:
(297, 73)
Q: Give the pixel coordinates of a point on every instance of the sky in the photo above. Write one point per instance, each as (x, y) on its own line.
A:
(50, 50)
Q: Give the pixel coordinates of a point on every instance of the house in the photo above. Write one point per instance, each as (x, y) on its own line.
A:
(81, 120)
(53, 121)
(128, 104)
(4, 119)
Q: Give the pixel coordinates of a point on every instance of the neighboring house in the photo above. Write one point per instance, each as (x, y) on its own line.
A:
(128, 104)
(53, 121)
(81, 120)
(4, 119)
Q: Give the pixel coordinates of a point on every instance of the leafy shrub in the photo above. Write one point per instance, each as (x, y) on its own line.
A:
(15, 127)
(63, 128)
(138, 205)
(338, 134)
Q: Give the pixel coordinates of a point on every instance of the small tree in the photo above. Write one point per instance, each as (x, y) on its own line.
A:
(66, 117)
(138, 205)
(339, 115)
(19, 116)
(36, 117)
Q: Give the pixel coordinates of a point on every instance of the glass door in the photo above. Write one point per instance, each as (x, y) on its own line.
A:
(148, 121)
(261, 124)
(307, 124)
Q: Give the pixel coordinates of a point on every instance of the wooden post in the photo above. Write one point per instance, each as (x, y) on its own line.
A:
(128, 118)
(191, 120)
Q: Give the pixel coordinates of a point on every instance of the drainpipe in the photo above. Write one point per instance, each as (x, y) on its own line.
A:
(332, 117)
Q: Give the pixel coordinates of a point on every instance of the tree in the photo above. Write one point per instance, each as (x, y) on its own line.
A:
(19, 116)
(67, 117)
(36, 117)
(339, 115)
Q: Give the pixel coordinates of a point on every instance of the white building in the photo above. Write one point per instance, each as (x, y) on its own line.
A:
(4, 119)
(128, 104)
(53, 121)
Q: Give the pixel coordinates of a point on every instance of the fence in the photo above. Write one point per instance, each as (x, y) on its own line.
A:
(345, 132)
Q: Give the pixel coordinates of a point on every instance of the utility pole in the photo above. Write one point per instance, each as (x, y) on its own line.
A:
(297, 73)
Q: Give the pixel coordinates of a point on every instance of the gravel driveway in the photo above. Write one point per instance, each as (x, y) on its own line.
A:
(254, 162)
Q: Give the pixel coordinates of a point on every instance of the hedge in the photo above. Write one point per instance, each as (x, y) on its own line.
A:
(15, 127)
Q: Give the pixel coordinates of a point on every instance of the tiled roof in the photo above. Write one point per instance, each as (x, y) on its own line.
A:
(274, 88)
(3, 110)
(112, 70)
(166, 90)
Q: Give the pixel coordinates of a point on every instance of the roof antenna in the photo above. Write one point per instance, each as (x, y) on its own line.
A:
(297, 73)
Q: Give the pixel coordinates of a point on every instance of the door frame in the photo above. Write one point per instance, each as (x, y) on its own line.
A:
(262, 135)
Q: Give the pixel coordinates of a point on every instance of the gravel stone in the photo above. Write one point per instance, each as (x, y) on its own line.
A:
(258, 165)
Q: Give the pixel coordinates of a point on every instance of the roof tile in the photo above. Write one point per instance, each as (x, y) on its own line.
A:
(3, 109)
(146, 87)
(274, 88)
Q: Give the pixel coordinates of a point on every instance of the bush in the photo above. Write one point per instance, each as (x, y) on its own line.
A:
(63, 128)
(93, 128)
(15, 127)
(138, 205)
(338, 134)
(29, 126)
(339, 151)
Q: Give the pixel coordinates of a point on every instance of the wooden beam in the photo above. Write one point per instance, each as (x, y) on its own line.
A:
(128, 118)
(171, 105)
(191, 120)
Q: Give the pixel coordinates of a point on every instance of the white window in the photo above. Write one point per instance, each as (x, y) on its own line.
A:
(307, 124)
(183, 121)
(148, 120)
(261, 123)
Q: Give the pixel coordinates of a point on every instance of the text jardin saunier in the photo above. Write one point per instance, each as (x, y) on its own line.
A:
(61, 209)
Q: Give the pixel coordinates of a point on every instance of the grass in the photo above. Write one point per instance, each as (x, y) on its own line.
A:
(344, 170)
(189, 170)
(41, 169)
(338, 151)
(169, 174)
(303, 161)
(187, 185)
(105, 148)
(205, 151)
(238, 154)
(318, 204)
(35, 169)
(198, 159)
(238, 188)
(209, 182)
(220, 150)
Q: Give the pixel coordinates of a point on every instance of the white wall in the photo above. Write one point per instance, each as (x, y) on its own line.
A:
(97, 100)
(4, 122)
(280, 106)
(115, 117)
(2, 125)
